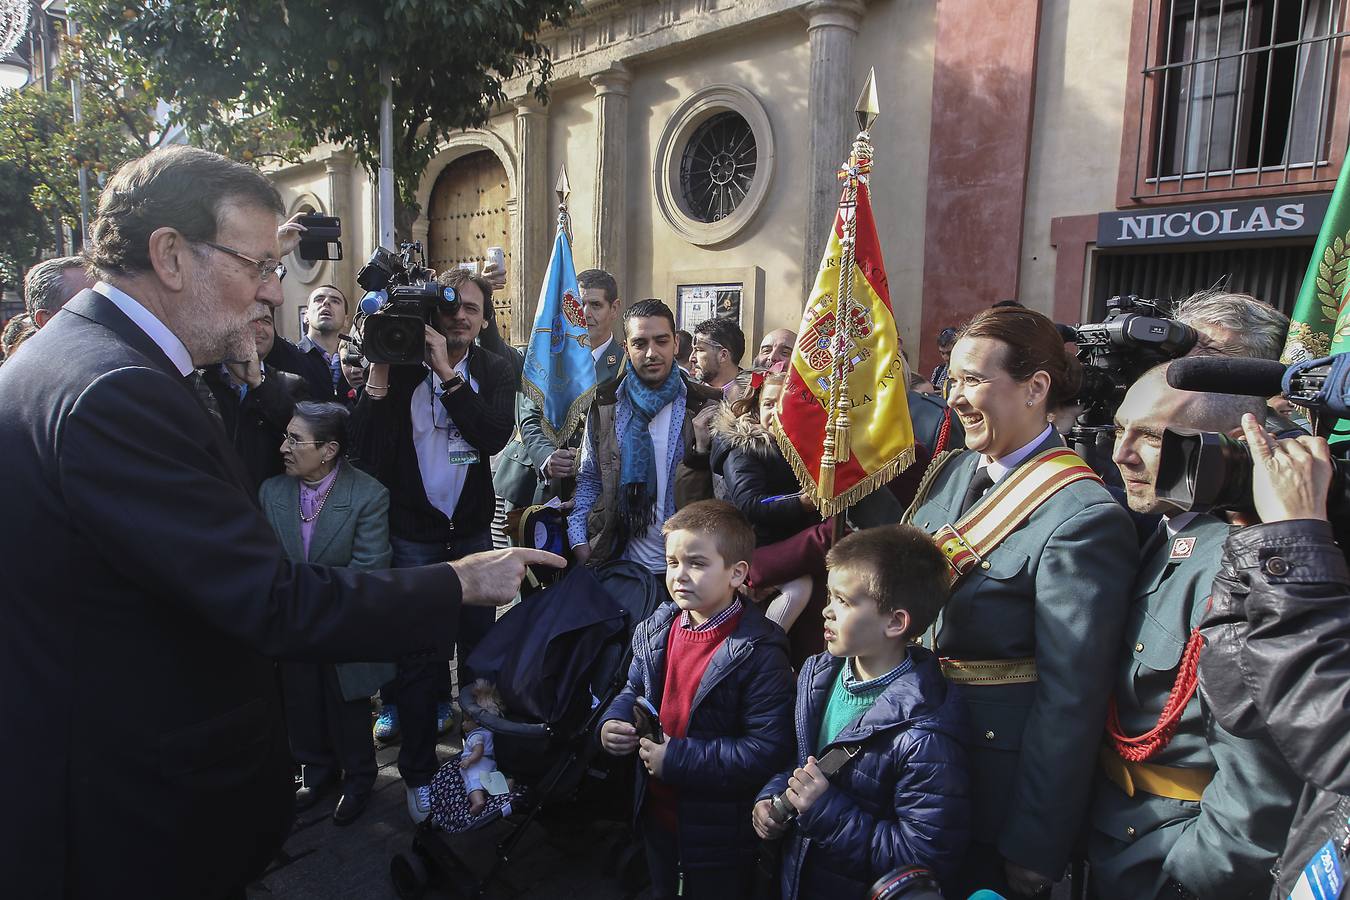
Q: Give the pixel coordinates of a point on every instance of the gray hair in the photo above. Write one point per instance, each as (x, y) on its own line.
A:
(328, 421)
(179, 187)
(44, 287)
(1260, 328)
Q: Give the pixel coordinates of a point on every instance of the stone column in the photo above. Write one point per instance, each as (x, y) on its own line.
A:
(832, 26)
(338, 166)
(533, 216)
(611, 174)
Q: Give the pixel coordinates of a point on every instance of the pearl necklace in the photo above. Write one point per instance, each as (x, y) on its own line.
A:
(322, 500)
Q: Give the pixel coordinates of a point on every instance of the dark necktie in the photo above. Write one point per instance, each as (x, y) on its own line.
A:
(982, 482)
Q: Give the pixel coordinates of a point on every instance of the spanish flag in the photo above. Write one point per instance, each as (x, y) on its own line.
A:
(869, 417)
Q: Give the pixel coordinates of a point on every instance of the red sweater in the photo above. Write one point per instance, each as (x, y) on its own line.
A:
(688, 653)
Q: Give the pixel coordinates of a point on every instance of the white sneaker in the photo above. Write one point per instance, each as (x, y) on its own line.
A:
(419, 803)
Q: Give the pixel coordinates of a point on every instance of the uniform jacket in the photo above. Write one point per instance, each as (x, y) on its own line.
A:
(1057, 590)
(596, 515)
(352, 530)
(519, 479)
(1224, 845)
(1277, 659)
(141, 567)
(927, 413)
(740, 732)
(754, 471)
(904, 800)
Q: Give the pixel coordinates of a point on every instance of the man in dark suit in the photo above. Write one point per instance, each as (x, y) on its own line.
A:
(531, 460)
(141, 571)
(255, 403)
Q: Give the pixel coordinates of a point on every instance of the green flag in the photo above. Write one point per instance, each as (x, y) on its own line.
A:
(1320, 325)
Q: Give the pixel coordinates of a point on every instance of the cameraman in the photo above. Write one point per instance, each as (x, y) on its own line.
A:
(428, 433)
(1278, 638)
(1181, 807)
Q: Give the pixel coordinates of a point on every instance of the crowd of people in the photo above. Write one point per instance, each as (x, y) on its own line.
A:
(1006, 668)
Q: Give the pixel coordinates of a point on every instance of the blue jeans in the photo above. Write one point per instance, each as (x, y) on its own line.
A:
(420, 684)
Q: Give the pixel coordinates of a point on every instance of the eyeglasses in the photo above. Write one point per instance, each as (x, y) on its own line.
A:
(292, 442)
(265, 267)
(706, 346)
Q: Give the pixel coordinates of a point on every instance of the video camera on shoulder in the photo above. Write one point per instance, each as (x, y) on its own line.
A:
(401, 297)
(1211, 471)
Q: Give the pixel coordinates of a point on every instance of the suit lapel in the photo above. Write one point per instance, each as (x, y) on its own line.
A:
(337, 509)
(286, 514)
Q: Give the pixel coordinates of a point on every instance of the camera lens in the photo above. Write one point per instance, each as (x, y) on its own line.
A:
(1204, 472)
(909, 883)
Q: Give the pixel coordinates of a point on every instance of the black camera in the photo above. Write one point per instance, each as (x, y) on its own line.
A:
(401, 297)
(321, 237)
(908, 883)
(1133, 337)
(1209, 471)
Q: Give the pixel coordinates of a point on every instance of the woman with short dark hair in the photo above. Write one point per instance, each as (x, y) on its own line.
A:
(327, 512)
(1043, 559)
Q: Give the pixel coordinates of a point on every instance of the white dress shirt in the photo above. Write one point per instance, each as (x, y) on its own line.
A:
(596, 351)
(436, 440)
(154, 329)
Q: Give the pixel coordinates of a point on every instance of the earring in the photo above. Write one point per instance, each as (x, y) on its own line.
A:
(1031, 403)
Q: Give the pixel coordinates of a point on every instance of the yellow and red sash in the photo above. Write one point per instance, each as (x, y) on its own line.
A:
(985, 525)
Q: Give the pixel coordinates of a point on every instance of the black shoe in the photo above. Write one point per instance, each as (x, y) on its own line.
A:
(350, 807)
(309, 796)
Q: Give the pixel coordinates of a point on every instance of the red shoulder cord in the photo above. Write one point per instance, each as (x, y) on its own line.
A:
(1143, 747)
(944, 433)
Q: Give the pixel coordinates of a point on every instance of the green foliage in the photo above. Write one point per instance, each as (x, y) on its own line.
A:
(314, 65)
(26, 233)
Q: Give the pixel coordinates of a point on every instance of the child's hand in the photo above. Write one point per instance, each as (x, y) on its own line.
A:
(764, 824)
(618, 737)
(465, 762)
(653, 756)
(806, 785)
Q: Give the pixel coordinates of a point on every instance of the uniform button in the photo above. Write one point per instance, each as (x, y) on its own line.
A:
(988, 735)
(1129, 831)
(1139, 648)
(1276, 565)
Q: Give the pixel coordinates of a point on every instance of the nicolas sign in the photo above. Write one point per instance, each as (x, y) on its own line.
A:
(1274, 217)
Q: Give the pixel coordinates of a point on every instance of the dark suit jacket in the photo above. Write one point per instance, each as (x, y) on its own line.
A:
(287, 357)
(257, 423)
(145, 599)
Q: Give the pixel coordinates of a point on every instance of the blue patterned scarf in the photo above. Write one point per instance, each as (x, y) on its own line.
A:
(637, 455)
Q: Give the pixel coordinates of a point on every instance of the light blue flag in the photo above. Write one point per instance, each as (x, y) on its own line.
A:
(559, 369)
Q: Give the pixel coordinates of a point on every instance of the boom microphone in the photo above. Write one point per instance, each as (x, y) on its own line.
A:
(1227, 375)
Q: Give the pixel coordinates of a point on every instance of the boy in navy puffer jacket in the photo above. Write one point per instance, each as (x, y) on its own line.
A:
(718, 673)
(904, 799)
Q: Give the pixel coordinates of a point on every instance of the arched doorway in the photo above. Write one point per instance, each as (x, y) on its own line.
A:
(467, 214)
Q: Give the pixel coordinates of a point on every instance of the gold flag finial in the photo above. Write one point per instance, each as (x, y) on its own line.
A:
(867, 108)
(562, 188)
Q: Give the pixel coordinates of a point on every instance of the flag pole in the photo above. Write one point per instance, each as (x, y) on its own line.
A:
(564, 224)
(837, 444)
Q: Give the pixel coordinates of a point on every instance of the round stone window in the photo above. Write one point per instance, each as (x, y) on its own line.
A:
(713, 164)
(718, 167)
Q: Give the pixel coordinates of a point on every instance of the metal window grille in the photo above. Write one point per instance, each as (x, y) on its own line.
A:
(1239, 94)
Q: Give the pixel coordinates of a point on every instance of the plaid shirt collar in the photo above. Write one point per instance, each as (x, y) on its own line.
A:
(716, 621)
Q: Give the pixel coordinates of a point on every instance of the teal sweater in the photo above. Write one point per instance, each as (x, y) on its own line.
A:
(850, 699)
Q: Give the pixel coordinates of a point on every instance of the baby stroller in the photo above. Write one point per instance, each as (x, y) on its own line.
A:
(557, 658)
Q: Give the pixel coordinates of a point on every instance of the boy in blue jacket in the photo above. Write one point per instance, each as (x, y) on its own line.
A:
(904, 798)
(717, 672)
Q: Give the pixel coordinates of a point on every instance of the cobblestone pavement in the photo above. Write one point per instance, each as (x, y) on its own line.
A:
(567, 854)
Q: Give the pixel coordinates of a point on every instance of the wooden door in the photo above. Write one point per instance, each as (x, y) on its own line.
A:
(468, 214)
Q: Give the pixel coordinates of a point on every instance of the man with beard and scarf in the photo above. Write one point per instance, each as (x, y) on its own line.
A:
(142, 567)
(645, 450)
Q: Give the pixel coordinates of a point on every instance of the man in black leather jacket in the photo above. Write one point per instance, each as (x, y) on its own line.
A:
(1278, 646)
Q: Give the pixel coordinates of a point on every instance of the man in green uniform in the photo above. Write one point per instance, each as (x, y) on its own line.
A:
(1181, 807)
(530, 461)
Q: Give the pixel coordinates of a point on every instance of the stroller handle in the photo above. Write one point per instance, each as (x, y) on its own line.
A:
(501, 725)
